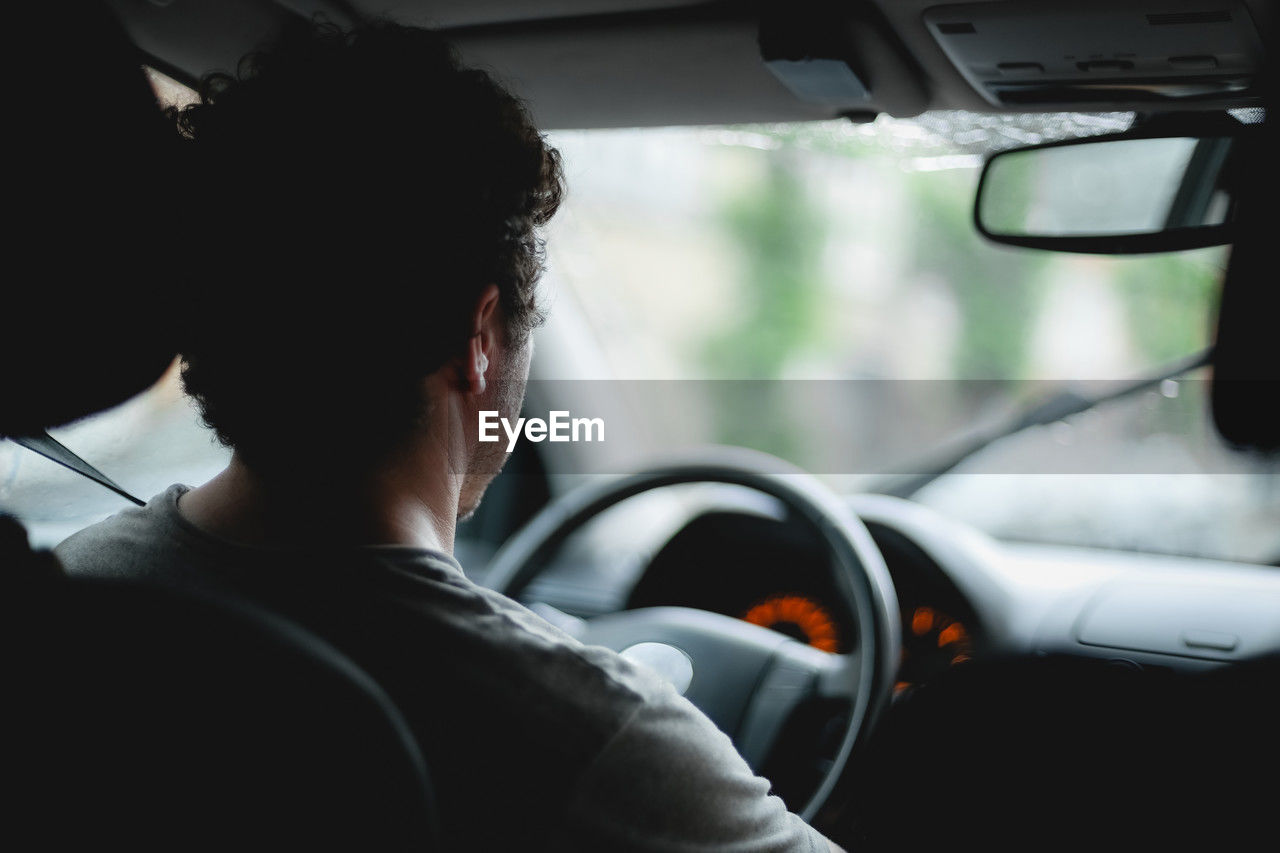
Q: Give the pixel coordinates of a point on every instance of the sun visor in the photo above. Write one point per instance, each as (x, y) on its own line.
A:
(829, 55)
(707, 65)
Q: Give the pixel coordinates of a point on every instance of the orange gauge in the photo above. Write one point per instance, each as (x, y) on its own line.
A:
(932, 642)
(797, 616)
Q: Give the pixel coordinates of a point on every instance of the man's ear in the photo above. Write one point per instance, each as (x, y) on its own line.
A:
(483, 340)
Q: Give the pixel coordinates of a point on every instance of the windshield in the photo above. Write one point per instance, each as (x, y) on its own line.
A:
(819, 292)
(836, 266)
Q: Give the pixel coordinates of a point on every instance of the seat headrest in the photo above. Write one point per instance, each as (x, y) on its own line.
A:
(93, 230)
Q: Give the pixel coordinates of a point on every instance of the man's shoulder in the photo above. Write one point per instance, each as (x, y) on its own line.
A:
(132, 544)
(548, 668)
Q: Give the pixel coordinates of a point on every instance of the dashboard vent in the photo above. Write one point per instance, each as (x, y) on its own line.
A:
(1166, 19)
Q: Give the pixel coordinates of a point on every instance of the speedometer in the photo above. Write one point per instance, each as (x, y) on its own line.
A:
(799, 617)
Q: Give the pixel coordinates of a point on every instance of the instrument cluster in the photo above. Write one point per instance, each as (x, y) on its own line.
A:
(772, 573)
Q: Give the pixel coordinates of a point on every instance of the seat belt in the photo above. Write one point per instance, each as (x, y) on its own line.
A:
(50, 448)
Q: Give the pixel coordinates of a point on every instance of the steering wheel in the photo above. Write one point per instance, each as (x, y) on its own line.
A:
(746, 678)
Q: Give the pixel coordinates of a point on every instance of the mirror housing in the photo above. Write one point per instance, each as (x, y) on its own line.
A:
(1169, 184)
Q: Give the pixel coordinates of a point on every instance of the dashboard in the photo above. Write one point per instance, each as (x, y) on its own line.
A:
(963, 596)
(1037, 674)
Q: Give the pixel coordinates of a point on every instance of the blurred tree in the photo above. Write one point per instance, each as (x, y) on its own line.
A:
(996, 290)
(1171, 305)
(779, 233)
(1171, 301)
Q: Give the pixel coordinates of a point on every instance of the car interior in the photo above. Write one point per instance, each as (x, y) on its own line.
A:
(904, 674)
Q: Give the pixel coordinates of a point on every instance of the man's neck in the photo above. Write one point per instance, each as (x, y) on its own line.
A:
(388, 507)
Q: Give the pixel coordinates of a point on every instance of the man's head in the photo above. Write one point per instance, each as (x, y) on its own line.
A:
(371, 240)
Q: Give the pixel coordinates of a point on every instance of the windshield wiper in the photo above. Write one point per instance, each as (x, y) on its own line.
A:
(1051, 409)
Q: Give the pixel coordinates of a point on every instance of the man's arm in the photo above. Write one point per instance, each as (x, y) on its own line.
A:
(670, 780)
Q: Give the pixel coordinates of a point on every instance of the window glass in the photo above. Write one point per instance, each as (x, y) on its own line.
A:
(847, 254)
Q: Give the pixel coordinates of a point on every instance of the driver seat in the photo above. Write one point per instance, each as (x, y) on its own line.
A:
(140, 717)
(158, 721)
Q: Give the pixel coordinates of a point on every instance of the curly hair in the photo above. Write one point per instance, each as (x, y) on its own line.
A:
(362, 188)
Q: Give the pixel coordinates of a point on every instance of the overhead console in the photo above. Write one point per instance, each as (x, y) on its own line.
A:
(1076, 53)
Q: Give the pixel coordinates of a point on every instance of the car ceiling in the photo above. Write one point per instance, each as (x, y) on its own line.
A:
(618, 63)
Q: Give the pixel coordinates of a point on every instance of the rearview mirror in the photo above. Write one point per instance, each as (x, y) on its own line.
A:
(1120, 194)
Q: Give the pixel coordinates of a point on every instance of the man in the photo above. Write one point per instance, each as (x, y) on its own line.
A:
(363, 280)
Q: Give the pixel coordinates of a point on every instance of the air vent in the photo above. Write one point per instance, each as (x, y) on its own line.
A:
(1167, 19)
(956, 29)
